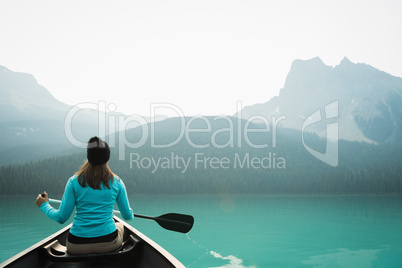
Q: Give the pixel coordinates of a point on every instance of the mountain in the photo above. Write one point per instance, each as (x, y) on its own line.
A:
(22, 98)
(220, 158)
(227, 154)
(367, 101)
(35, 125)
(32, 120)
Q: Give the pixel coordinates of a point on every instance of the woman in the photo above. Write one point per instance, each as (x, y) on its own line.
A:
(93, 190)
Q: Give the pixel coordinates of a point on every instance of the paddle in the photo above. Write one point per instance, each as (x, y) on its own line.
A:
(171, 221)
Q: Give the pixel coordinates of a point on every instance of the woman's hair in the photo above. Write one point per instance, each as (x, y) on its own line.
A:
(95, 171)
(95, 175)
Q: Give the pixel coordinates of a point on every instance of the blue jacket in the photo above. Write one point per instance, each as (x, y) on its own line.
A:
(94, 208)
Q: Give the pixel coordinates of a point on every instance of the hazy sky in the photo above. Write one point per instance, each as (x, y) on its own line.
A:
(202, 56)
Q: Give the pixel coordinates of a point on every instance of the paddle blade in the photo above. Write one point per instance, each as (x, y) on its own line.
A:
(176, 222)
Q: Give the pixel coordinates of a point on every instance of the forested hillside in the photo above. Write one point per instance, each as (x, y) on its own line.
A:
(183, 169)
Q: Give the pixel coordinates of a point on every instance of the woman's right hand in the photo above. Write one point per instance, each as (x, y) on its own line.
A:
(42, 198)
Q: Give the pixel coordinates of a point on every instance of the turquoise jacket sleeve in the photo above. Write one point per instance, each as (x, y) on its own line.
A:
(66, 208)
(123, 203)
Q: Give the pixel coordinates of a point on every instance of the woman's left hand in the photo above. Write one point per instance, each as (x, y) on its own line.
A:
(41, 199)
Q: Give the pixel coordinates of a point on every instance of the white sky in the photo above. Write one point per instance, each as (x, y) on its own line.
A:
(202, 56)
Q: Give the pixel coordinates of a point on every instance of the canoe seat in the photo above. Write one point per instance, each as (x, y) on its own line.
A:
(56, 252)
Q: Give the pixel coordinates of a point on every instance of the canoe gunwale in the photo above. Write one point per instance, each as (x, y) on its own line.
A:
(147, 241)
(147, 246)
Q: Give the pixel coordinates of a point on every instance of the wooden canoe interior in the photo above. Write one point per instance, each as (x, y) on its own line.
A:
(137, 251)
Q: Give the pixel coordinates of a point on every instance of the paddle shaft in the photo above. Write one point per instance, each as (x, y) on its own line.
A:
(160, 220)
(54, 201)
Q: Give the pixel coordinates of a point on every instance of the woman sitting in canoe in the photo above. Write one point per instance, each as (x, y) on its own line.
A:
(93, 190)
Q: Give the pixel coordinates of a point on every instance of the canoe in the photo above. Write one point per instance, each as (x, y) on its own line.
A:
(137, 251)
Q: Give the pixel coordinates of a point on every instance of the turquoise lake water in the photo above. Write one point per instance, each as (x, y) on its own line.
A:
(247, 231)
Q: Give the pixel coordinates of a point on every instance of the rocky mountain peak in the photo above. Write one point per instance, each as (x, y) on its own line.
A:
(369, 100)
